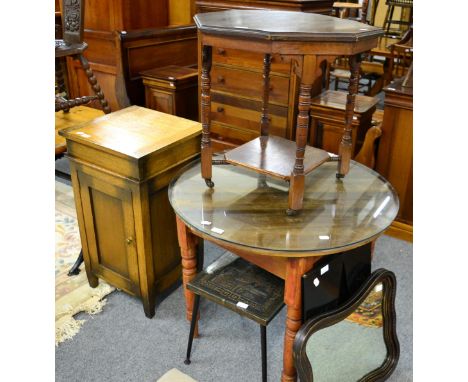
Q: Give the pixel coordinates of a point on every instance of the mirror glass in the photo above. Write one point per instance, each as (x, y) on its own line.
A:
(348, 350)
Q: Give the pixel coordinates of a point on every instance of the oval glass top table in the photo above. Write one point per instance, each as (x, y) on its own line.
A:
(244, 214)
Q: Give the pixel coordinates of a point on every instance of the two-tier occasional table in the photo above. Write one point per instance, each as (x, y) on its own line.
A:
(244, 214)
(308, 41)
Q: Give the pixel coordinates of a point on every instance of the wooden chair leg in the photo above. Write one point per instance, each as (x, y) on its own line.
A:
(346, 143)
(59, 76)
(374, 11)
(389, 24)
(386, 20)
(206, 153)
(59, 79)
(264, 120)
(94, 84)
(327, 76)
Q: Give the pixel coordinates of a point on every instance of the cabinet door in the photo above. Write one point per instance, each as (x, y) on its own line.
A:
(110, 232)
(160, 101)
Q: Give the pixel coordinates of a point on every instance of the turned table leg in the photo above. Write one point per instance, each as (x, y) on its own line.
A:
(188, 243)
(264, 120)
(346, 143)
(296, 187)
(295, 268)
(206, 154)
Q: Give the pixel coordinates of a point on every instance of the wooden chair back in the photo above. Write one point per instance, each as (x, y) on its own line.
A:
(364, 9)
(72, 21)
(403, 57)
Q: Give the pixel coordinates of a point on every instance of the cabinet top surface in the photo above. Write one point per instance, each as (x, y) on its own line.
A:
(171, 73)
(134, 132)
(337, 100)
(251, 209)
(284, 26)
(398, 88)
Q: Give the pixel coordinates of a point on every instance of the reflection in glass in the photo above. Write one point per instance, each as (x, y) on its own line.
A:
(348, 350)
(250, 208)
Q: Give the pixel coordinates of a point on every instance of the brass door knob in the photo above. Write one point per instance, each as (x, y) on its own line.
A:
(129, 240)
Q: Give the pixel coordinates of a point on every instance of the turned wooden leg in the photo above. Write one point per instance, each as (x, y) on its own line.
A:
(59, 79)
(296, 187)
(59, 76)
(206, 153)
(346, 143)
(188, 251)
(295, 268)
(94, 84)
(264, 120)
(388, 71)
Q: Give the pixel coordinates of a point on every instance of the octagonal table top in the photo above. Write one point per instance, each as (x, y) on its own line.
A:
(284, 26)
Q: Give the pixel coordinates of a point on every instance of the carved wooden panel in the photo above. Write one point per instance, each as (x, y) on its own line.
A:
(72, 14)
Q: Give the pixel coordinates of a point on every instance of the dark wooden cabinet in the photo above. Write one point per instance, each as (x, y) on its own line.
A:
(328, 120)
(125, 37)
(236, 93)
(173, 90)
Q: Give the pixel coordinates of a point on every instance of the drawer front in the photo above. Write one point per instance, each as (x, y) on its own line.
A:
(244, 117)
(250, 60)
(243, 83)
(232, 133)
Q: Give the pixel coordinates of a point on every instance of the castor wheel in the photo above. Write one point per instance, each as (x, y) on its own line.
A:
(291, 212)
(187, 362)
(209, 183)
(339, 176)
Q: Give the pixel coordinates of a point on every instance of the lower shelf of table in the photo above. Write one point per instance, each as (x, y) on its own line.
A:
(274, 156)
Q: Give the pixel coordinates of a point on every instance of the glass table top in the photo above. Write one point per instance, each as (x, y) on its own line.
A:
(249, 209)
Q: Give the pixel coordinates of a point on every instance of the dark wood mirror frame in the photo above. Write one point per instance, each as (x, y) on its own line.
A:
(322, 321)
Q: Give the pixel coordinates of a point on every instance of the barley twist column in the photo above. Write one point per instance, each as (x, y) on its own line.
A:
(94, 84)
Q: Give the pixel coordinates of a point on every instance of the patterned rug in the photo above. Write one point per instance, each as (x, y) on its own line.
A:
(72, 294)
(369, 312)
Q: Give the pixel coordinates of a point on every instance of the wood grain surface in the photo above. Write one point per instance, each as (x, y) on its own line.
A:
(134, 132)
(274, 156)
(284, 26)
